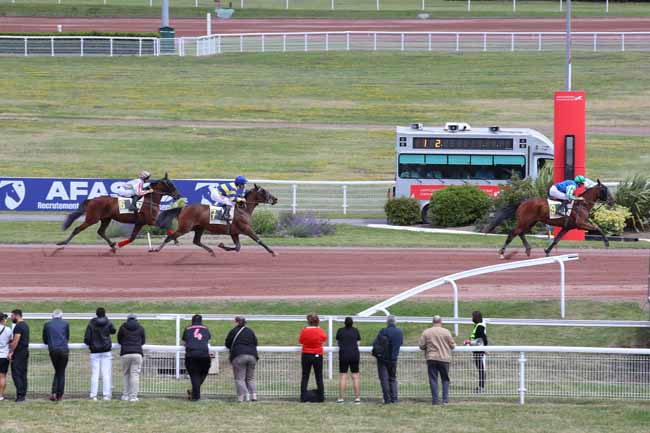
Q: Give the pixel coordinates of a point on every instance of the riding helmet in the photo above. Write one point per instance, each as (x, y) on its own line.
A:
(144, 175)
(241, 180)
(579, 179)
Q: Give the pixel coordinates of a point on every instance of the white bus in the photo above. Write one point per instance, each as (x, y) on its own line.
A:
(429, 159)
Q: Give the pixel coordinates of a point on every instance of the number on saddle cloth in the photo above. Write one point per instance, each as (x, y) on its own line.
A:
(555, 211)
(218, 214)
(124, 205)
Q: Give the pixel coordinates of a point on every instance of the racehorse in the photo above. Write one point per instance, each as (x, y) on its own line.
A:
(105, 209)
(196, 217)
(531, 211)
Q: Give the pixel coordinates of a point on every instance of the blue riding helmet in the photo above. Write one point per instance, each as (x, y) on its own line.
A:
(241, 180)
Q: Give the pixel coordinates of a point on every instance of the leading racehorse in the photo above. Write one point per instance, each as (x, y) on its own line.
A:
(531, 211)
(196, 217)
(105, 209)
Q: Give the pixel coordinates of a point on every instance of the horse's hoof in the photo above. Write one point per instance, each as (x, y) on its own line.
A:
(221, 245)
(273, 254)
(528, 252)
(176, 242)
(60, 243)
(213, 254)
(502, 257)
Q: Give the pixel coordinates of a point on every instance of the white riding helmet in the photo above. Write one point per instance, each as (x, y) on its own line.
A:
(144, 175)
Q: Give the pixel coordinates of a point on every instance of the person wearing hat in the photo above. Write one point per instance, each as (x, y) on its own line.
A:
(226, 194)
(131, 338)
(135, 189)
(565, 192)
(5, 338)
(56, 334)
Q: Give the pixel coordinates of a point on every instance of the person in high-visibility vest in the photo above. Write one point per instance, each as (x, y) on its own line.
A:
(478, 337)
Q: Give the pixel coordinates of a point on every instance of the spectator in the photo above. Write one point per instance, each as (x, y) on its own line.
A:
(312, 338)
(242, 343)
(131, 338)
(348, 339)
(437, 344)
(19, 354)
(98, 339)
(390, 339)
(56, 334)
(478, 337)
(197, 355)
(5, 338)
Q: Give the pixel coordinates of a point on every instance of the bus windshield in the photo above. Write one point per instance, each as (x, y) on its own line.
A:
(428, 166)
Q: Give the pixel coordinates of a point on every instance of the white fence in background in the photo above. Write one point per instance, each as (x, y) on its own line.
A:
(323, 42)
(513, 372)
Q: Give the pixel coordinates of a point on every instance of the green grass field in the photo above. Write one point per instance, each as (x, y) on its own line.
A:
(99, 116)
(322, 8)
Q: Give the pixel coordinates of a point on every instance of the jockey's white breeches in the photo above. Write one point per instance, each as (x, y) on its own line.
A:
(125, 190)
(557, 194)
(219, 198)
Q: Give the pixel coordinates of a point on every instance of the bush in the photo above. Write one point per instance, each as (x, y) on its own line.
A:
(458, 206)
(265, 222)
(611, 219)
(634, 194)
(304, 226)
(402, 211)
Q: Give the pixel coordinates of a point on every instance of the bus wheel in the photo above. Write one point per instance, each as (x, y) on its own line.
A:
(425, 215)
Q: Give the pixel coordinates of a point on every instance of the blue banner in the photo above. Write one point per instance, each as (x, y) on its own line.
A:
(61, 194)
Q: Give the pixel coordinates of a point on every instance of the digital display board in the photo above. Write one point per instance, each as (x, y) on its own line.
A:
(461, 143)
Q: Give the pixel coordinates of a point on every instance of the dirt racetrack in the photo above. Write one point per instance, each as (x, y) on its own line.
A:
(197, 26)
(81, 272)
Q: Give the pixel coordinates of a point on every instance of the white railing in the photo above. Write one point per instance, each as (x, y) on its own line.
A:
(513, 372)
(453, 278)
(414, 42)
(78, 46)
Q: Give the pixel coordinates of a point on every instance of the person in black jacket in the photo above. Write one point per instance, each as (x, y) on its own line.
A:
(56, 334)
(242, 343)
(197, 355)
(478, 337)
(131, 338)
(19, 354)
(348, 339)
(98, 339)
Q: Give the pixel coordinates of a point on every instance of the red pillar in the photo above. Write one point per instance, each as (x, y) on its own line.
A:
(570, 146)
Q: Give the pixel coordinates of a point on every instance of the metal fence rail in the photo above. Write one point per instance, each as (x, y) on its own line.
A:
(512, 372)
(77, 46)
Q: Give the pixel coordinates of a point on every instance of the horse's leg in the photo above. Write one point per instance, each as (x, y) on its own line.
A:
(594, 227)
(248, 231)
(134, 234)
(557, 239)
(81, 227)
(235, 240)
(198, 232)
(513, 233)
(522, 236)
(102, 233)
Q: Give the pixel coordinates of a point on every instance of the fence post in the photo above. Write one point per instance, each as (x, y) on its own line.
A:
(241, 43)
(25, 47)
(294, 190)
(219, 44)
(457, 42)
(284, 43)
(484, 41)
(330, 357)
(622, 41)
(422, 4)
(241, 5)
(562, 290)
(81, 47)
(560, 5)
(140, 47)
(263, 48)
(514, 6)
(286, 4)
(402, 42)
(306, 44)
(374, 41)
(52, 46)
(196, 3)
(595, 42)
(512, 42)
(455, 287)
(377, 4)
(327, 41)
(539, 42)
(430, 46)
(347, 41)
(178, 343)
(111, 47)
(345, 199)
(606, 6)
(469, 5)
(150, 3)
(332, 7)
(522, 378)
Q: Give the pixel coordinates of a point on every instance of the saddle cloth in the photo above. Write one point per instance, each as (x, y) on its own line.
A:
(217, 214)
(554, 205)
(124, 205)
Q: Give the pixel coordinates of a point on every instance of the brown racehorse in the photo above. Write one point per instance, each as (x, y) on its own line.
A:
(196, 217)
(105, 209)
(529, 212)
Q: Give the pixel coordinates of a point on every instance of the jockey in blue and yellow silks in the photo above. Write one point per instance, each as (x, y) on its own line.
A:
(565, 192)
(226, 194)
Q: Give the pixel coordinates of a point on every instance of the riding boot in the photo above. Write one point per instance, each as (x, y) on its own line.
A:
(226, 213)
(134, 207)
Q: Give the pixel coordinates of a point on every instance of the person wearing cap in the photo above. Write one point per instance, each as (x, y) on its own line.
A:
(5, 338)
(226, 194)
(196, 339)
(387, 368)
(242, 343)
(565, 192)
(56, 334)
(131, 338)
(437, 344)
(135, 189)
(19, 354)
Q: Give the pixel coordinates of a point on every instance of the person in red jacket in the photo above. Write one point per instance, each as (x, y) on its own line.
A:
(312, 338)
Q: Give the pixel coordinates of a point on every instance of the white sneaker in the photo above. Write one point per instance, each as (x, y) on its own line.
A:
(124, 398)
(340, 400)
(106, 398)
(93, 398)
(134, 399)
(357, 401)
(2, 397)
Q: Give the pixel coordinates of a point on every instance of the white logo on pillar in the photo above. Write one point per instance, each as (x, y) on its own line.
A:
(14, 193)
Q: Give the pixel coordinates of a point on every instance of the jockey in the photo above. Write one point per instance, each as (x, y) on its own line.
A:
(227, 193)
(136, 188)
(565, 192)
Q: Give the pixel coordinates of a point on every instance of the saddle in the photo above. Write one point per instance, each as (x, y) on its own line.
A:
(554, 209)
(124, 205)
(218, 214)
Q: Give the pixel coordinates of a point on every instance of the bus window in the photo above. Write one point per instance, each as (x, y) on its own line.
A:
(506, 166)
(461, 167)
(541, 162)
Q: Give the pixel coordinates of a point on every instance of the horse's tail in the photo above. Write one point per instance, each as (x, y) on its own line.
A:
(165, 219)
(72, 216)
(500, 215)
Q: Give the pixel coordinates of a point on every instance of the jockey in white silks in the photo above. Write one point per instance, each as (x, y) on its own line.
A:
(226, 194)
(135, 188)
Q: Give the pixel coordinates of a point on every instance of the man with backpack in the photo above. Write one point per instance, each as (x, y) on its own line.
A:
(98, 340)
(386, 349)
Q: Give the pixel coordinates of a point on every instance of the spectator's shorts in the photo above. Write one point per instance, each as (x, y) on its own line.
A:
(346, 364)
(4, 365)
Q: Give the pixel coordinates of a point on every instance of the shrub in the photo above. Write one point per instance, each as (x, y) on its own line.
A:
(458, 206)
(402, 211)
(634, 194)
(304, 226)
(611, 219)
(265, 222)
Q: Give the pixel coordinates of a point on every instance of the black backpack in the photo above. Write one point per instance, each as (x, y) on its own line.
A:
(381, 348)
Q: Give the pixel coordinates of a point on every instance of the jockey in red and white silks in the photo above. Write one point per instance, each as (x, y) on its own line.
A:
(135, 188)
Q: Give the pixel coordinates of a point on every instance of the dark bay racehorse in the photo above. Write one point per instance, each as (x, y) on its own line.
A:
(529, 212)
(105, 209)
(196, 217)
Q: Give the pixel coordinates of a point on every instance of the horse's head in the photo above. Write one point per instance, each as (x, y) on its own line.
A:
(11, 192)
(257, 194)
(165, 187)
(599, 193)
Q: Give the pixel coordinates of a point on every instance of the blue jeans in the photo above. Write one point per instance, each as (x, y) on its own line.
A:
(435, 368)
